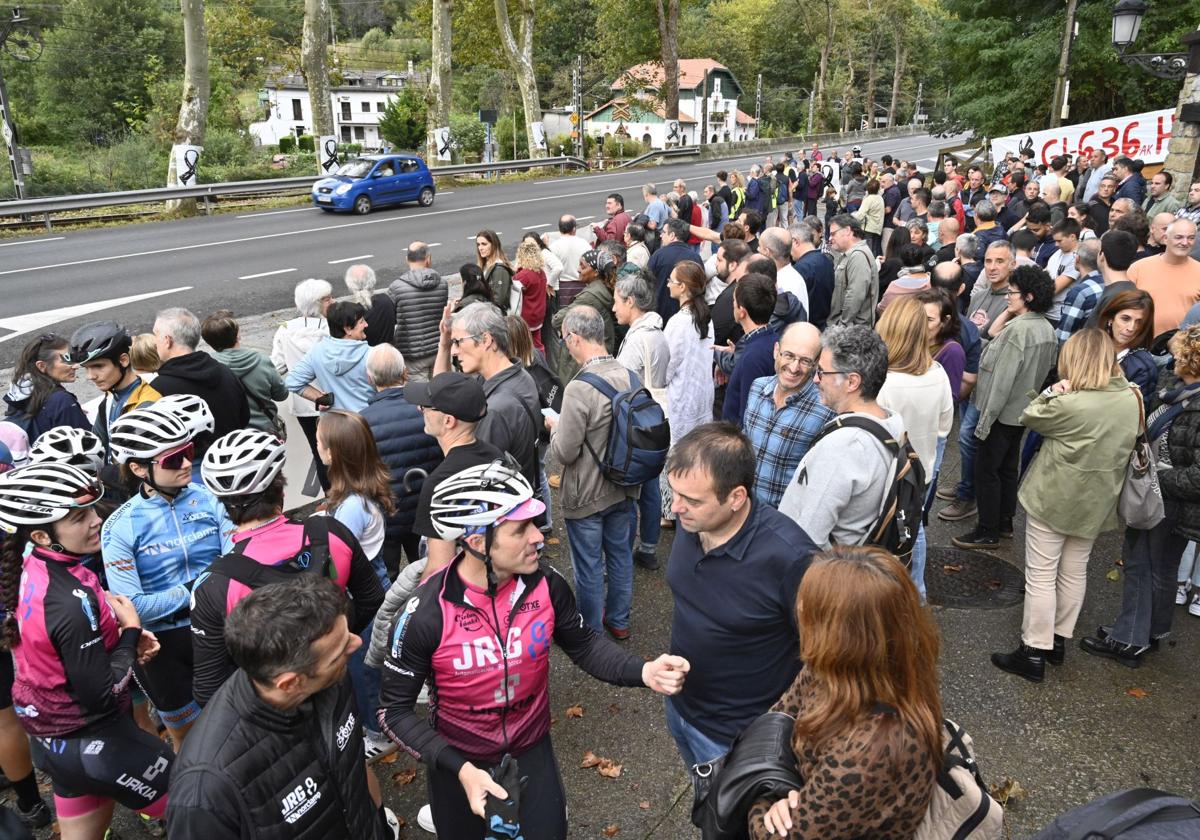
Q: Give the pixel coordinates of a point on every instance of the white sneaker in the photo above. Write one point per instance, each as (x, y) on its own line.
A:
(1181, 594)
(378, 745)
(1194, 607)
(425, 819)
(394, 824)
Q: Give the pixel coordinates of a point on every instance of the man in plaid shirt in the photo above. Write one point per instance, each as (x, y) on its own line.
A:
(784, 413)
(1084, 296)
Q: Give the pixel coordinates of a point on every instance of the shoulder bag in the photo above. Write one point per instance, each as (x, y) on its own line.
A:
(1140, 504)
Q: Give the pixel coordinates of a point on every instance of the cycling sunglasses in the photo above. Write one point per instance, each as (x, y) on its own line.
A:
(175, 459)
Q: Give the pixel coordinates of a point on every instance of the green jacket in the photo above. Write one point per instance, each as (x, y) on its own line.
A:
(1013, 364)
(1167, 204)
(1075, 479)
(262, 382)
(599, 297)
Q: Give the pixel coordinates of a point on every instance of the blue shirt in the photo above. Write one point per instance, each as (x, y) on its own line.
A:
(735, 612)
(817, 270)
(757, 358)
(972, 346)
(658, 213)
(781, 436)
(1078, 304)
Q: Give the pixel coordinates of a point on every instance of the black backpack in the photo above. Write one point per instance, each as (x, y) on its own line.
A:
(1137, 814)
(313, 556)
(904, 502)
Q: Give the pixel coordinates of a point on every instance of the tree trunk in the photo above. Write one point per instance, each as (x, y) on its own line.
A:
(668, 36)
(848, 90)
(1064, 67)
(437, 95)
(898, 72)
(520, 61)
(823, 68)
(313, 64)
(872, 80)
(193, 110)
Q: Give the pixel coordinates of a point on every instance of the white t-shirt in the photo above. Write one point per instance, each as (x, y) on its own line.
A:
(788, 279)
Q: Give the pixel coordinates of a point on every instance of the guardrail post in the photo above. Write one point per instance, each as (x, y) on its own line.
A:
(207, 206)
(48, 228)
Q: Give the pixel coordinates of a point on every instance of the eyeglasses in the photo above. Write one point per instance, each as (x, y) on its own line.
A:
(457, 341)
(818, 373)
(790, 358)
(1011, 292)
(176, 459)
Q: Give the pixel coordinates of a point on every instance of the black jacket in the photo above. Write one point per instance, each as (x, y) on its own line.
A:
(252, 771)
(381, 319)
(662, 262)
(419, 296)
(399, 430)
(1181, 483)
(200, 374)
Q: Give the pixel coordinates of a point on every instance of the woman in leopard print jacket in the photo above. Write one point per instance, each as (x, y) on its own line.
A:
(868, 716)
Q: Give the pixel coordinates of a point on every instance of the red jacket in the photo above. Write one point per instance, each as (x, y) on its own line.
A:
(533, 301)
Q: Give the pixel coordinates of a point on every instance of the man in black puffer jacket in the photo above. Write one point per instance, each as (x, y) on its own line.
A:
(420, 296)
(399, 430)
(279, 751)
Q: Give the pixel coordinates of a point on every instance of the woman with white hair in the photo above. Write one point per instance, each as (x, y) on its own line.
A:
(381, 310)
(292, 341)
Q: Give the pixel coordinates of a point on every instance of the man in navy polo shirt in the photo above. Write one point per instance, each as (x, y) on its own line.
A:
(734, 570)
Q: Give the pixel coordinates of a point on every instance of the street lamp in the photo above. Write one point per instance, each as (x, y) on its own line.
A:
(1127, 22)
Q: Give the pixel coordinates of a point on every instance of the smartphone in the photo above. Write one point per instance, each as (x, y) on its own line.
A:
(550, 412)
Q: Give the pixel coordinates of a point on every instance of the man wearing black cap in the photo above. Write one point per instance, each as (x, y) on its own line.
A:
(453, 403)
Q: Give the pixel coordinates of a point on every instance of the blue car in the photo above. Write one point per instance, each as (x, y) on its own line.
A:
(374, 181)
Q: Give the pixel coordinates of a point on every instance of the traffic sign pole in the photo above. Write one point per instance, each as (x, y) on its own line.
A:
(10, 140)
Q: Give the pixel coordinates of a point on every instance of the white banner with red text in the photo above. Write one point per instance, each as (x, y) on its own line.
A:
(1142, 136)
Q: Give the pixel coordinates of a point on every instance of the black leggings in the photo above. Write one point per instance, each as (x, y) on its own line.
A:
(543, 801)
(308, 425)
(167, 678)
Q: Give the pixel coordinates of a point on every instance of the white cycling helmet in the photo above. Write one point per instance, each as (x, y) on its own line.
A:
(479, 497)
(242, 462)
(39, 494)
(192, 410)
(68, 445)
(145, 433)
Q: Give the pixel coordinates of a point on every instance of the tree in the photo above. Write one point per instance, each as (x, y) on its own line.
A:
(437, 95)
(243, 41)
(518, 50)
(404, 120)
(193, 110)
(315, 66)
(668, 36)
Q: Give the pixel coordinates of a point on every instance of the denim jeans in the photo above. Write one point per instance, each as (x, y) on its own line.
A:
(968, 445)
(647, 506)
(917, 568)
(365, 680)
(694, 746)
(599, 546)
(1148, 585)
(1189, 569)
(546, 494)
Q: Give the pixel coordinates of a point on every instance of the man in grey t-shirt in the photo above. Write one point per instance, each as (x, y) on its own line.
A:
(989, 298)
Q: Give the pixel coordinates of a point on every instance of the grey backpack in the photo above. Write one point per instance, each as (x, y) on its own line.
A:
(1136, 814)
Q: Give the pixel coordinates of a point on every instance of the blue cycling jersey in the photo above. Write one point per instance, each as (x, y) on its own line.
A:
(154, 547)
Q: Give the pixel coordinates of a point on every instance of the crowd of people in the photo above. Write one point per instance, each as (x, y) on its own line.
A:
(807, 336)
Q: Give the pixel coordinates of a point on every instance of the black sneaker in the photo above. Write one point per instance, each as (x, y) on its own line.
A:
(36, 817)
(1109, 648)
(1102, 633)
(978, 538)
(1059, 653)
(1006, 529)
(646, 559)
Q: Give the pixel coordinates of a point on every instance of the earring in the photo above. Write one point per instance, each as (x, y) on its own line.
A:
(57, 548)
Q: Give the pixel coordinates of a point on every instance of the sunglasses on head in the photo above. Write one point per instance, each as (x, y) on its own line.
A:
(175, 459)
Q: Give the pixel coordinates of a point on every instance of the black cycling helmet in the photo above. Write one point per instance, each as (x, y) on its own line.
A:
(99, 340)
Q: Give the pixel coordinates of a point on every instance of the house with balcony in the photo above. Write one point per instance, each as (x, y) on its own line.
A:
(636, 111)
(359, 100)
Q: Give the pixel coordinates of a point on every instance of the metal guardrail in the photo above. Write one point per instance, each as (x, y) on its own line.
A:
(681, 151)
(56, 204)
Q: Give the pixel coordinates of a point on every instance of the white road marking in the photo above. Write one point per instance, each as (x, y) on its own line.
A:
(584, 218)
(276, 212)
(33, 241)
(34, 321)
(535, 227)
(430, 245)
(348, 259)
(266, 274)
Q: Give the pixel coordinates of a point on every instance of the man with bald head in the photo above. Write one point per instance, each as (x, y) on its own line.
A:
(1172, 278)
(776, 244)
(420, 296)
(784, 412)
(1157, 243)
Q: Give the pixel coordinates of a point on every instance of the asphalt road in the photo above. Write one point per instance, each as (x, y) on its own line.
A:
(251, 263)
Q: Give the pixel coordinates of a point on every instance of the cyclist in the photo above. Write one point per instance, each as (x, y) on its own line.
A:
(198, 418)
(68, 445)
(102, 350)
(244, 469)
(480, 631)
(74, 648)
(157, 544)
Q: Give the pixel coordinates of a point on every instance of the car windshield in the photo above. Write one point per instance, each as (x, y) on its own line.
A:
(356, 168)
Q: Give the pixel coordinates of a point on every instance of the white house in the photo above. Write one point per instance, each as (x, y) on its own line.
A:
(358, 104)
(636, 112)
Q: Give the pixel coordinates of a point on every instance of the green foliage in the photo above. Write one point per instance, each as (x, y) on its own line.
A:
(374, 39)
(504, 136)
(243, 40)
(92, 81)
(287, 144)
(130, 164)
(468, 133)
(403, 121)
(305, 143)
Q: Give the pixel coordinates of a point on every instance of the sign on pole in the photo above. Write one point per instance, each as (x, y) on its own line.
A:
(327, 158)
(187, 159)
(1143, 136)
(539, 135)
(441, 138)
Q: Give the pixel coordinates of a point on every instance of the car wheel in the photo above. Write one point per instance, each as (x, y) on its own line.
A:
(362, 205)
(425, 199)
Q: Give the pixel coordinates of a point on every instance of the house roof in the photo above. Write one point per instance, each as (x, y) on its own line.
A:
(655, 108)
(691, 73)
(363, 80)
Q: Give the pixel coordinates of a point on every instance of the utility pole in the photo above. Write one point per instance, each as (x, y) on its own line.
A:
(811, 100)
(23, 45)
(10, 139)
(1059, 108)
(577, 104)
(704, 113)
(758, 106)
(917, 109)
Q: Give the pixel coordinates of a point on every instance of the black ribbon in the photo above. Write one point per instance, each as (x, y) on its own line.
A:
(444, 148)
(190, 158)
(1026, 148)
(674, 135)
(330, 154)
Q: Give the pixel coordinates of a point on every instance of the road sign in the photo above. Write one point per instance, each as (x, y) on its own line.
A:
(574, 119)
(488, 116)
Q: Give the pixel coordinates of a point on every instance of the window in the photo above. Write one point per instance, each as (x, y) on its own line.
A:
(381, 106)
(297, 110)
(345, 134)
(366, 107)
(408, 166)
(359, 134)
(345, 110)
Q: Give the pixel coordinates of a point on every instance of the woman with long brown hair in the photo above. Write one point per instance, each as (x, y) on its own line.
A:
(1128, 318)
(867, 739)
(36, 400)
(496, 268)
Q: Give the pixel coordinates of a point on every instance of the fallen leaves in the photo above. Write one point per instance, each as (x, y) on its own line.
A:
(611, 830)
(590, 760)
(574, 711)
(1114, 574)
(644, 805)
(1009, 790)
(995, 584)
(952, 568)
(553, 541)
(404, 777)
(1139, 693)
(555, 481)
(608, 768)
(389, 759)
